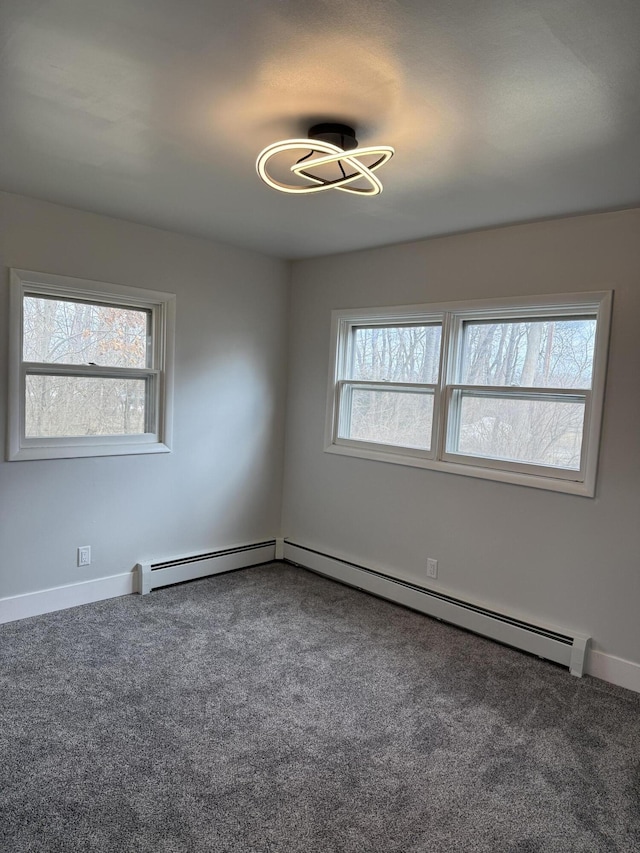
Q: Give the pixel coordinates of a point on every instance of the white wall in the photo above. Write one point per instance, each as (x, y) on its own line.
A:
(221, 485)
(548, 557)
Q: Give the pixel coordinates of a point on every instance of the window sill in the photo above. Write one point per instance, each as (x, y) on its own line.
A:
(534, 481)
(73, 451)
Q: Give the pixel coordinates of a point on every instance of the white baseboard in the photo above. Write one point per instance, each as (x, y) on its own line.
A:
(63, 597)
(72, 595)
(552, 643)
(615, 670)
(623, 673)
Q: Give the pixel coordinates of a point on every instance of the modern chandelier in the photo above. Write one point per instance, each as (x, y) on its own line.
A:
(329, 161)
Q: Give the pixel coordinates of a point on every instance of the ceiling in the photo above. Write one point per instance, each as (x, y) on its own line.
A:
(154, 111)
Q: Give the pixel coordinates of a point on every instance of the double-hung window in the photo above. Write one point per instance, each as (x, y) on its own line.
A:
(90, 368)
(509, 390)
(388, 385)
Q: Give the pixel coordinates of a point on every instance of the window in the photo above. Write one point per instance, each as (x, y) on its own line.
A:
(388, 393)
(91, 368)
(507, 390)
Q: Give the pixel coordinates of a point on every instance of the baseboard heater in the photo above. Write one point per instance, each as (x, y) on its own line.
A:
(179, 569)
(567, 649)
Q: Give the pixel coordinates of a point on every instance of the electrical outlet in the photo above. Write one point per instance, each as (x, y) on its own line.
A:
(432, 568)
(84, 555)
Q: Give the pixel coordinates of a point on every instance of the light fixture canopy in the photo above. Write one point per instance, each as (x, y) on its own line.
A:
(333, 142)
(335, 134)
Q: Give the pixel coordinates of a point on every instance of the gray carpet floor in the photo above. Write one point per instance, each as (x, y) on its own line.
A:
(274, 711)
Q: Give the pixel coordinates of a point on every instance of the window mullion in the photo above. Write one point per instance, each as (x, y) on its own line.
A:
(449, 356)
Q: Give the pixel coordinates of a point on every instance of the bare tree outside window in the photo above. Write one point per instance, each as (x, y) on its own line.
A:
(397, 353)
(400, 415)
(538, 432)
(553, 353)
(391, 417)
(66, 332)
(82, 405)
(61, 331)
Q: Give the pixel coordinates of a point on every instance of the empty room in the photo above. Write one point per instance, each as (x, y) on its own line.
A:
(320, 471)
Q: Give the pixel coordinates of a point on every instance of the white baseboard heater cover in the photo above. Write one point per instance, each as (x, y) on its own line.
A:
(179, 569)
(568, 649)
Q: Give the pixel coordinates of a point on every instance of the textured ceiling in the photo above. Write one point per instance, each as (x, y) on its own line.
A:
(154, 111)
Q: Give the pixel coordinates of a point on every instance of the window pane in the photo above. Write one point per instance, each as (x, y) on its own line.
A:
(391, 417)
(66, 332)
(553, 353)
(79, 405)
(540, 432)
(396, 354)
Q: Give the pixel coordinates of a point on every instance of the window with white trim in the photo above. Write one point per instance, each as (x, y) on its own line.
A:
(90, 368)
(508, 390)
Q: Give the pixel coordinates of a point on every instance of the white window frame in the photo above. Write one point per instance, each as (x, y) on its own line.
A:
(158, 376)
(411, 316)
(453, 315)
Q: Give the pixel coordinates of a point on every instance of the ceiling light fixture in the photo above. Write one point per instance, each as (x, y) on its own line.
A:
(339, 168)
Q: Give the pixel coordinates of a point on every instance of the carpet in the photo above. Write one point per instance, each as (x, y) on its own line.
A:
(271, 710)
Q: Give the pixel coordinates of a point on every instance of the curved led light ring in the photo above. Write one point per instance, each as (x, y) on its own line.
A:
(292, 145)
(375, 186)
(361, 171)
(335, 154)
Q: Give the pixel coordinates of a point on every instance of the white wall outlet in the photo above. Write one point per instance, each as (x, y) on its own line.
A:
(432, 568)
(84, 555)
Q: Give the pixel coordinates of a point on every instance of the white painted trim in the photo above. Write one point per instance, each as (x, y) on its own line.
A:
(570, 487)
(42, 601)
(452, 315)
(568, 648)
(615, 670)
(160, 374)
(623, 673)
(62, 597)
